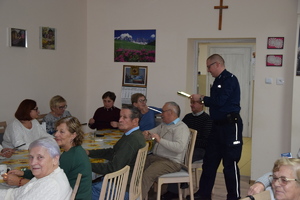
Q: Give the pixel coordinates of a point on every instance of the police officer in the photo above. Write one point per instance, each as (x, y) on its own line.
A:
(225, 141)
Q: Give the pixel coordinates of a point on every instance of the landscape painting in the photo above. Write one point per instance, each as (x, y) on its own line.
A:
(134, 45)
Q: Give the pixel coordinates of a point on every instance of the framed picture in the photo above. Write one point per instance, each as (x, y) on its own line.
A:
(47, 38)
(18, 37)
(134, 45)
(135, 76)
(275, 42)
(274, 60)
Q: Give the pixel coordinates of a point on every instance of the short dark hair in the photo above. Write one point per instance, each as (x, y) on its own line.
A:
(135, 112)
(135, 97)
(24, 109)
(109, 94)
(217, 57)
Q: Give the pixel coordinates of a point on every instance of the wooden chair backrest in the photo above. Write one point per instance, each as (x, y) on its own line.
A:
(114, 185)
(135, 189)
(2, 127)
(76, 186)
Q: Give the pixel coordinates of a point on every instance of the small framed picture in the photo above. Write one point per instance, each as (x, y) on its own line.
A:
(135, 76)
(47, 38)
(275, 42)
(274, 60)
(18, 37)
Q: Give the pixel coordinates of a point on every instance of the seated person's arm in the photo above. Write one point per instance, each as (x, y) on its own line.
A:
(14, 177)
(260, 184)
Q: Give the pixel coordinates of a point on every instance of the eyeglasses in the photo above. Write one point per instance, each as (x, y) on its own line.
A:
(165, 110)
(62, 107)
(142, 100)
(282, 180)
(208, 66)
(36, 109)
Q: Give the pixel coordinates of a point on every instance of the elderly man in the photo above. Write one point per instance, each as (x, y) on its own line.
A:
(199, 120)
(172, 137)
(124, 152)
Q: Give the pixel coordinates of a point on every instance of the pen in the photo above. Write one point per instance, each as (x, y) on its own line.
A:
(19, 146)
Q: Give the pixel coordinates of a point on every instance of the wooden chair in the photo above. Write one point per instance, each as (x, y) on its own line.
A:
(76, 186)
(40, 118)
(2, 130)
(265, 195)
(195, 165)
(114, 185)
(183, 176)
(135, 190)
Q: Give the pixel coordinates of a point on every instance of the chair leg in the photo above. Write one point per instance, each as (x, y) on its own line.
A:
(179, 192)
(191, 190)
(159, 184)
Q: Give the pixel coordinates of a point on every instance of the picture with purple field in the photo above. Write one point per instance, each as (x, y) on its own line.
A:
(134, 45)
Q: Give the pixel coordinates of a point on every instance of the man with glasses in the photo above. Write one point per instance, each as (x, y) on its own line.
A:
(148, 120)
(58, 106)
(171, 137)
(225, 141)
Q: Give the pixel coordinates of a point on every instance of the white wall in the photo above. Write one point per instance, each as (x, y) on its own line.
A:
(82, 67)
(40, 74)
(177, 23)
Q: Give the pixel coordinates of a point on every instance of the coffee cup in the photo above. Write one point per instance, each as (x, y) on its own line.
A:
(3, 170)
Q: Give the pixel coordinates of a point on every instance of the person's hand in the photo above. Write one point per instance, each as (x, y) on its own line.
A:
(16, 172)
(11, 179)
(147, 135)
(155, 137)
(114, 124)
(256, 188)
(91, 121)
(7, 152)
(87, 152)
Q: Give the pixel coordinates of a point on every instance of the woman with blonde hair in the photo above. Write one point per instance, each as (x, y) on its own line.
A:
(58, 106)
(285, 179)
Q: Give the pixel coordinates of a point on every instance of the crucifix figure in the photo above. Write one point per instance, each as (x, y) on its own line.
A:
(220, 7)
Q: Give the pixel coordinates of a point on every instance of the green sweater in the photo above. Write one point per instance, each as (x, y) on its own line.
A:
(73, 162)
(123, 153)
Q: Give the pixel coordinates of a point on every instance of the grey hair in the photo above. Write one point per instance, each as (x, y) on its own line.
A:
(174, 107)
(217, 57)
(48, 143)
(135, 112)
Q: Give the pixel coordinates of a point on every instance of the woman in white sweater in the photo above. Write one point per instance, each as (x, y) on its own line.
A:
(50, 181)
(25, 128)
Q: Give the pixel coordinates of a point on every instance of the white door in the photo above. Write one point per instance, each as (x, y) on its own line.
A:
(238, 62)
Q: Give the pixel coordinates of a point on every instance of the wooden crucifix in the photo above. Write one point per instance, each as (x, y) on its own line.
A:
(220, 7)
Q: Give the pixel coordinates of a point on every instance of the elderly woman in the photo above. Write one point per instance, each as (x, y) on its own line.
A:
(73, 160)
(106, 116)
(49, 182)
(286, 179)
(148, 113)
(25, 128)
(58, 107)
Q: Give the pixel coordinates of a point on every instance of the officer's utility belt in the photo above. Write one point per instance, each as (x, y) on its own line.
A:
(231, 118)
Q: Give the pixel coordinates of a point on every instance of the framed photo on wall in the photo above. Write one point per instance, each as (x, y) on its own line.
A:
(135, 76)
(47, 38)
(18, 37)
(274, 60)
(275, 42)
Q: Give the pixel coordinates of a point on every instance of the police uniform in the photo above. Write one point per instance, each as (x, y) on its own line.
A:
(225, 141)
